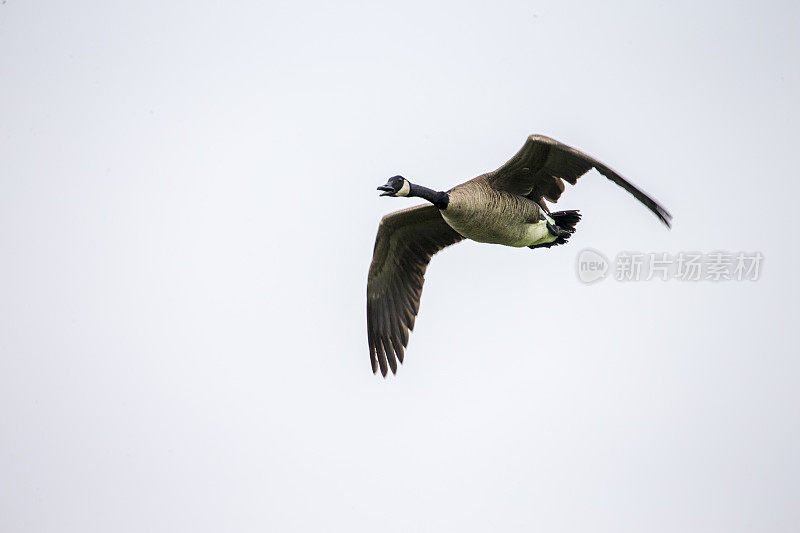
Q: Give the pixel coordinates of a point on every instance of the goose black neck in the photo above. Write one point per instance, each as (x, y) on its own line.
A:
(438, 198)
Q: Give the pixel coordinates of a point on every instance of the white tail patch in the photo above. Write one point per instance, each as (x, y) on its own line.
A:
(538, 233)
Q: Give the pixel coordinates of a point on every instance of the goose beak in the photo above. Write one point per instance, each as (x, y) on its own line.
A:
(387, 190)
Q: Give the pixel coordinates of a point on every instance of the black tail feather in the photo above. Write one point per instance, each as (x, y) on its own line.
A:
(566, 220)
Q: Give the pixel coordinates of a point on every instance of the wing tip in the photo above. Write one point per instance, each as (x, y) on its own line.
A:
(384, 357)
(663, 215)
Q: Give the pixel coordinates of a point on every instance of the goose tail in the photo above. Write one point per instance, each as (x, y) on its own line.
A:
(565, 220)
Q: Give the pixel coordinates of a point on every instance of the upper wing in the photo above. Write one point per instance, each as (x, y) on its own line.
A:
(405, 243)
(537, 171)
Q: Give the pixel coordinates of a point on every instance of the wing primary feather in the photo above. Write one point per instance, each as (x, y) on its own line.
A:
(381, 357)
(393, 332)
(373, 359)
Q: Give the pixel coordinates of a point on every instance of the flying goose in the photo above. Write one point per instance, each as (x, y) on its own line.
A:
(506, 207)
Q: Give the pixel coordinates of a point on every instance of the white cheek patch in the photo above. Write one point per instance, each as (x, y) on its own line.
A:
(405, 189)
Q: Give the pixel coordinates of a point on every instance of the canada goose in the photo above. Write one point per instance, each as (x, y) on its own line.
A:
(502, 207)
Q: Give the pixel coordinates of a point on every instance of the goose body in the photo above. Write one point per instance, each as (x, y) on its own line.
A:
(484, 214)
(507, 206)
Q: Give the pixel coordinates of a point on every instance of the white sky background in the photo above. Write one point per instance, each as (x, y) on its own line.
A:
(187, 215)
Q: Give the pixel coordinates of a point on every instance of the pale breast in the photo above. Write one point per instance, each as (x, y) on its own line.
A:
(486, 215)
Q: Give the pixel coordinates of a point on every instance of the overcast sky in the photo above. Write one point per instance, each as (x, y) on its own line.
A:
(187, 216)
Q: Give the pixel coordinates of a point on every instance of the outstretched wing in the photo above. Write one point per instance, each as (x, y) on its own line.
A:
(537, 171)
(405, 243)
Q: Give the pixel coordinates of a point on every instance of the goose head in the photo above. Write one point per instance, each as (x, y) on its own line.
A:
(396, 186)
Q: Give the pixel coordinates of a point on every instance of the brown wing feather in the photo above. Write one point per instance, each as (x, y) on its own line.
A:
(405, 243)
(537, 171)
